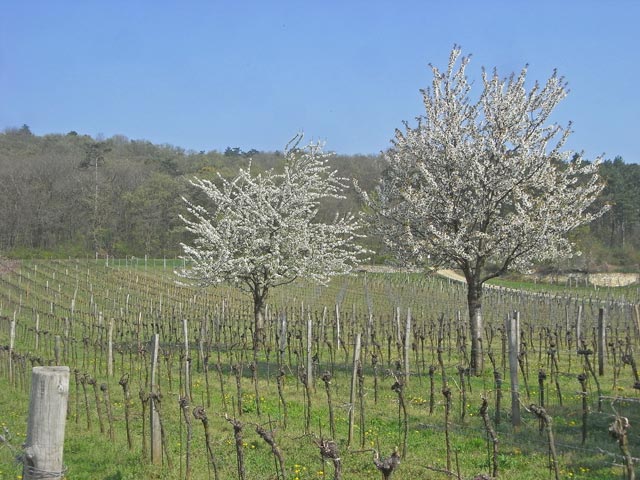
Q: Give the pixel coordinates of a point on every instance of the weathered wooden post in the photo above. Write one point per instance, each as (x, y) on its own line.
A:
(37, 332)
(579, 326)
(187, 360)
(407, 347)
(602, 340)
(155, 427)
(57, 349)
(352, 395)
(309, 349)
(12, 340)
(110, 349)
(512, 334)
(46, 424)
(283, 337)
(397, 325)
(337, 328)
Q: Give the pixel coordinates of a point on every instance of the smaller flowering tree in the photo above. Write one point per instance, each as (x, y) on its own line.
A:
(260, 231)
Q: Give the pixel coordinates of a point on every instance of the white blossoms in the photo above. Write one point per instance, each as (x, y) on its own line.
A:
(260, 231)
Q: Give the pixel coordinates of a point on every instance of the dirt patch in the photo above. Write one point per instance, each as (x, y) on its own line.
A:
(613, 279)
(450, 274)
(605, 279)
(8, 266)
(386, 269)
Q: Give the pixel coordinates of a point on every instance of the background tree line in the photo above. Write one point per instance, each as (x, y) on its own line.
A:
(74, 195)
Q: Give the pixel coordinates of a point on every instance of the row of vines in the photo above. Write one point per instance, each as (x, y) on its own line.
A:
(364, 377)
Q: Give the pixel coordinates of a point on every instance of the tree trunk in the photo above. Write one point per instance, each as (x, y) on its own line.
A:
(258, 315)
(474, 301)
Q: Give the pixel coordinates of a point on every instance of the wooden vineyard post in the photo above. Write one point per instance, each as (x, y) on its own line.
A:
(47, 418)
(187, 360)
(601, 340)
(12, 340)
(110, 350)
(579, 326)
(322, 336)
(512, 334)
(354, 378)
(57, 349)
(37, 332)
(407, 346)
(283, 338)
(309, 350)
(337, 327)
(155, 427)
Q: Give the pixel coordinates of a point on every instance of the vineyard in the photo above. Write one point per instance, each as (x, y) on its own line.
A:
(364, 378)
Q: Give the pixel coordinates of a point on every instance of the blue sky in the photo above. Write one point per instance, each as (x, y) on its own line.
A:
(207, 75)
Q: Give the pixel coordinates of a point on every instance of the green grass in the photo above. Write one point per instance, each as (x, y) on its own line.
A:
(523, 454)
(122, 293)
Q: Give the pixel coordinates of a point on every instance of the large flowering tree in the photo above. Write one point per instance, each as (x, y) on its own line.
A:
(483, 184)
(260, 231)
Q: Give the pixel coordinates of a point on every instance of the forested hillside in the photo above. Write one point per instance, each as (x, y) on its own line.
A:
(72, 195)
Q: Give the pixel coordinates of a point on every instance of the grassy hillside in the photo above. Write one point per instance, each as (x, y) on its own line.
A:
(78, 301)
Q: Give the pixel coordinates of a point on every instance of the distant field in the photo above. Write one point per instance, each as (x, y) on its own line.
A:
(629, 293)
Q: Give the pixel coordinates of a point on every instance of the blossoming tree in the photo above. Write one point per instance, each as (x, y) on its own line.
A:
(260, 231)
(483, 184)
